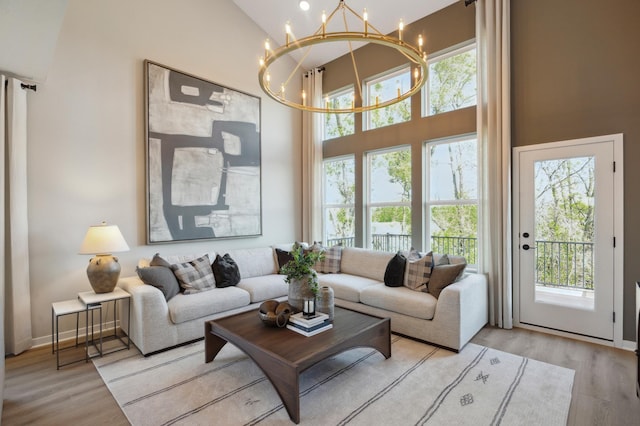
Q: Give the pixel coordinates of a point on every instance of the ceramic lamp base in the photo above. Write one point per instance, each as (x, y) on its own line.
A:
(103, 273)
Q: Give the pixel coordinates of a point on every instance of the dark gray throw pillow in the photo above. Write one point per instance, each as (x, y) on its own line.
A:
(226, 271)
(394, 274)
(162, 278)
(284, 257)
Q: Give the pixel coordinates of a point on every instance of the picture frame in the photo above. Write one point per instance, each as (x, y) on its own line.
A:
(203, 158)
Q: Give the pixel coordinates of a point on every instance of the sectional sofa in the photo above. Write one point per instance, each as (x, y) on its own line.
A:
(450, 321)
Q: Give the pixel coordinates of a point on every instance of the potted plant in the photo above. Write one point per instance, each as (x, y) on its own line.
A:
(301, 277)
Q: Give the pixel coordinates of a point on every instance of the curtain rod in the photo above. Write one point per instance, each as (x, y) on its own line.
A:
(29, 86)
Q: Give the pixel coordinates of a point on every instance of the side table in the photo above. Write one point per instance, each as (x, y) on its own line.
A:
(92, 299)
(68, 307)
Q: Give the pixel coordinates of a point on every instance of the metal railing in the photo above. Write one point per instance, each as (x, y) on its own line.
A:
(561, 264)
(564, 264)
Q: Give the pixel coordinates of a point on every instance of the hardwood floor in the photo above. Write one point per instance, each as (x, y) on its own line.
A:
(603, 392)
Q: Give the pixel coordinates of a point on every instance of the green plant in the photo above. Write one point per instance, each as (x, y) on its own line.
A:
(300, 267)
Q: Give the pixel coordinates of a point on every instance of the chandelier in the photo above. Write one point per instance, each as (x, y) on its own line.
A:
(369, 34)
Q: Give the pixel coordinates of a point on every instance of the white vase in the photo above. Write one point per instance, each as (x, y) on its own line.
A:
(325, 301)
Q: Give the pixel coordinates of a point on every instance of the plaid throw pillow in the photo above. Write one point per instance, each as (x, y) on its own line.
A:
(331, 262)
(419, 272)
(195, 276)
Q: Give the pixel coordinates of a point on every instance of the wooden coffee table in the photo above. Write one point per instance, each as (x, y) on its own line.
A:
(283, 354)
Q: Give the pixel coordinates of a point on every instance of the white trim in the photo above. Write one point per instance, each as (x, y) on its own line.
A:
(64, 336)
(618, 270)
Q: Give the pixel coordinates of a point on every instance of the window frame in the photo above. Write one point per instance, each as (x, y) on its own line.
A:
(439, 56)
(346, 90)
(428, 203)
(368, 204)
(325, 205)
(386, 75)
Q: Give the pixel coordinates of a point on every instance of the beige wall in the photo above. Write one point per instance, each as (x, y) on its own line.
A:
(441, 30)
(575, 74)
(86, 152)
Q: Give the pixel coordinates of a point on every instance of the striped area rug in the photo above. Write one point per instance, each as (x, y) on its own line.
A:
(419, 385)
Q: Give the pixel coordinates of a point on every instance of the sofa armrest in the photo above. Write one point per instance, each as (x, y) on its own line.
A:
(149, 311)
(464, 306)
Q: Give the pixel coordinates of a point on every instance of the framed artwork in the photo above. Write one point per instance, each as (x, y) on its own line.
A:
(203, 158)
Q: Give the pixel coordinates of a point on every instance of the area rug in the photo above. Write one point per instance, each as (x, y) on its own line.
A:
(419, 385)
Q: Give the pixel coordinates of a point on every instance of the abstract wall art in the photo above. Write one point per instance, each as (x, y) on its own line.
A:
(203, 158)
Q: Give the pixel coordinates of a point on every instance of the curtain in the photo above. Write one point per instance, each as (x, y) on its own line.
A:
(494, 138)
(13, 218)
(312, 159)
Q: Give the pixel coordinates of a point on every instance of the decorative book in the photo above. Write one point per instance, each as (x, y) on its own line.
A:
(314, 320)
(324, 327)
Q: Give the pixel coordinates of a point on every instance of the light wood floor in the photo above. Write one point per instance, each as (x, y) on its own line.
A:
(603, 392)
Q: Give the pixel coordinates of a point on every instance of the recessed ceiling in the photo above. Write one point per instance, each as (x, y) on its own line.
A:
(271, 16)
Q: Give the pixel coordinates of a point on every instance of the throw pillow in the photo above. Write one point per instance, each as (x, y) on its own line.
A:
(444, 275)
(159, 261)
(419, 272)
(284, 257)
(225, 271)
(162, 278)
(330, 264)
(195, 275)
(394, 274)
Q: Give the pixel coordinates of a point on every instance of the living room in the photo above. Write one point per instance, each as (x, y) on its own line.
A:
(572, 76)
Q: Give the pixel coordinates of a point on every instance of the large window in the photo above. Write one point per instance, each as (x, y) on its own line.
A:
(452, 81)
(389, 199)
(336, 125)
(384, 88)
(339, 200)
(451, 206)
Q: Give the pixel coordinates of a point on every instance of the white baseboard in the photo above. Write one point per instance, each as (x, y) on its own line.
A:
(64, 336)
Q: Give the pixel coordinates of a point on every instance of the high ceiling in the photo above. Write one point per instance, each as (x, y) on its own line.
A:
(384, 15)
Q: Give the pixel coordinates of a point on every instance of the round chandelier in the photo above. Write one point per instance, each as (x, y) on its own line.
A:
(369, 34)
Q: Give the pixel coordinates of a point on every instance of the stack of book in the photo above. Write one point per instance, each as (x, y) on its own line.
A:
(309, 326)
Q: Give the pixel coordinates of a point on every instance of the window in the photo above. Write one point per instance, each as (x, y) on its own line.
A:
(384, 88)
(336, 125)
(452, 197)
(339, 201)
(452, 81)
(389, 200)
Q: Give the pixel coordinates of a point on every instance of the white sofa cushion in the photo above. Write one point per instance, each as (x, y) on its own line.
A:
(401, 300)
(346, 286)
(254, 262)
(186, 307)
(365, 263)
(264, 287)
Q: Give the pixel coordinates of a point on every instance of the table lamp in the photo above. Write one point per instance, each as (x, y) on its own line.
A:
(103, 270)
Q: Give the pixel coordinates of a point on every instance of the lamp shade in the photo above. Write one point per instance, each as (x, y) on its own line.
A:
(103, 239)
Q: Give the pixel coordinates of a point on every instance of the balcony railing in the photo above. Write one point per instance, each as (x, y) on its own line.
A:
(557, 264)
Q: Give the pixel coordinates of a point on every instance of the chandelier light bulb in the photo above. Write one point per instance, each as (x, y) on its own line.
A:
(400, 29)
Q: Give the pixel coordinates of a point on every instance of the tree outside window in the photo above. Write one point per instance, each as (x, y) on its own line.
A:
(339, 201)
(385, 88)
(452, 81)
(337, 125)
(389, 206)
(452, 200)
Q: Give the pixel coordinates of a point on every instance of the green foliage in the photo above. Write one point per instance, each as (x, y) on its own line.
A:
(452, 83)
(301, 267)
(341, 175)
(337, 125)
(565, 197)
